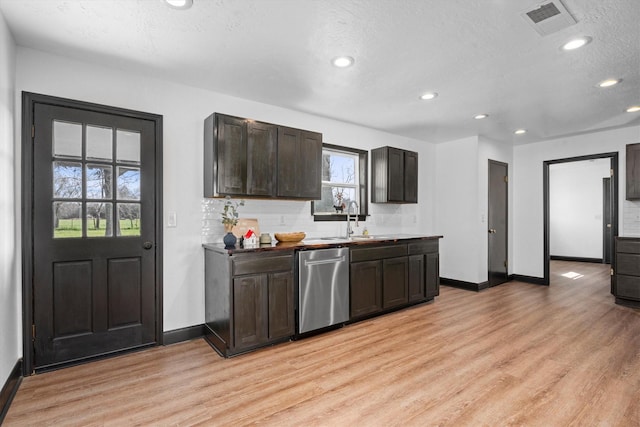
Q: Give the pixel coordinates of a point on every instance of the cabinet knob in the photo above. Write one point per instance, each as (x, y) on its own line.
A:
(147, 245)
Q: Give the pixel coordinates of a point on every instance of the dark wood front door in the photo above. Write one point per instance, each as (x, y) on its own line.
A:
(497, 221)
(94, 222)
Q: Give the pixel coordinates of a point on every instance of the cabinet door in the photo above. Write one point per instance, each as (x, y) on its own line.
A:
(261, 159)
(365, 288)
(232, 155)
(281, 309)
(416, 277)
(396, 174)
(249, 308)
(432, 275)
(410, 177)
(310, 166)
(633, 172)
(288, 145)
(299, 163)
(395, 282)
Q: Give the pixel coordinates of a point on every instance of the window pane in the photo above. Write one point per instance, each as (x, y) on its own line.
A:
(67, 219)
(128, 183)
(128, 146)
(129, 219)
(334, 200)
(338, 168)
(99, 182)
(99, 143)
(67, 180)
(67, 139)
(99, 220)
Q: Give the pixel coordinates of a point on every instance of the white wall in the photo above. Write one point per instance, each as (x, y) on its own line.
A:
(462, 195)
(575, 208)
(528, 189)
(184, 109)
(10, 323)
(457, 214)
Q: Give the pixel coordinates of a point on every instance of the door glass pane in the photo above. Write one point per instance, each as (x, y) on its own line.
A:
(99, 182)
(99, 219)
(67, 180)
(67, 219)
(129, 219)
(67, 139)
(128, 146)
(128, 183)
(99, 143)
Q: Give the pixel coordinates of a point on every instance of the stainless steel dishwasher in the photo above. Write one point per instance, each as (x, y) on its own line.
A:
(323, 288)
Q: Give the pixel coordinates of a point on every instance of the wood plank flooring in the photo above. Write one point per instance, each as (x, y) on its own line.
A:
(517, 354)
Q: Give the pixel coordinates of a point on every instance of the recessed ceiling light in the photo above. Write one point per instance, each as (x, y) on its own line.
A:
(609, 82)
(576, 43)
(179, 4)
(480, 116)
(428, 95)
(342, 61)
(520, 131)
(633, 109)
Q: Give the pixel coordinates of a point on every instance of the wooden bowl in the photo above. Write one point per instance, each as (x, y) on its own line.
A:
(290, 237)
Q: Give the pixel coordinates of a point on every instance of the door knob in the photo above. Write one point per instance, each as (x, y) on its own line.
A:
(492, 230)
(147, 245)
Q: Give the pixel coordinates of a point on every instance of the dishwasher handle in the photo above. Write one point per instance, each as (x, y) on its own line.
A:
(324, 261)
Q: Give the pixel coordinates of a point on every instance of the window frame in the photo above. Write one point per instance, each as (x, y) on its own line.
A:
(363, 185)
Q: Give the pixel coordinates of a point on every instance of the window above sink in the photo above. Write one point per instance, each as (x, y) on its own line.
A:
(344, 179)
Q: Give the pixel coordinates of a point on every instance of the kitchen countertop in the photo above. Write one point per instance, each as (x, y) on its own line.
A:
(318, 243)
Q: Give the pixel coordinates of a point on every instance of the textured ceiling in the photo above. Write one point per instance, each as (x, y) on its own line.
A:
(481, 56)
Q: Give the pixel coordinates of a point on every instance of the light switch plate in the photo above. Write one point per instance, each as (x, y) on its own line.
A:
(172, 221)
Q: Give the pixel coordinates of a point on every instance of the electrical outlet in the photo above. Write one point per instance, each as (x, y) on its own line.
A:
(282, 220)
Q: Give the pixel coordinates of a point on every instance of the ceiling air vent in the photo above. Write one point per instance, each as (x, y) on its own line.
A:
(549, 17)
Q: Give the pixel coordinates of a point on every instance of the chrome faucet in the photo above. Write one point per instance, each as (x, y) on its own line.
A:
(349, 229)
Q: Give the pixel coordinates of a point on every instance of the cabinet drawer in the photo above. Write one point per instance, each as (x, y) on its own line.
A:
(262, 264)
(631, 246)
(378, 252)
(423, 247)
(628, 264)
(628, 287)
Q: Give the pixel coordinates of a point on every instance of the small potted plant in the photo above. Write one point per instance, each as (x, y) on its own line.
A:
(230, 218)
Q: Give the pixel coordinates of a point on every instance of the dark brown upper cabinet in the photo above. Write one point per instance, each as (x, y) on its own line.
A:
(299, 163)
(394, 174)
(633, 171)
(247, 158)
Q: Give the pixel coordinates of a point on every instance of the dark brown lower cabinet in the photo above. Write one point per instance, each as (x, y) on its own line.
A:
(262, 308)
(432, 275)
(416, 278)
(395, 282)
(365, 294)
(249, 300)
(626, 287)
(392, 276)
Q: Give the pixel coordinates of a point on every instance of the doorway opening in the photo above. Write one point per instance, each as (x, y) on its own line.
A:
(610, 211)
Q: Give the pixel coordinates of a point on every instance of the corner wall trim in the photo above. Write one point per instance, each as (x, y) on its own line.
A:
(10, 389)
(183, 334)
(531, 279)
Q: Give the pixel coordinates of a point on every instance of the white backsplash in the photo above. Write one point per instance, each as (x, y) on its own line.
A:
(631, 218)
(276, 216)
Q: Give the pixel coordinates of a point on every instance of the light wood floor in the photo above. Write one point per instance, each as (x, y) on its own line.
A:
(517, 354)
